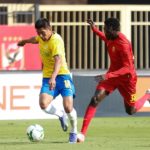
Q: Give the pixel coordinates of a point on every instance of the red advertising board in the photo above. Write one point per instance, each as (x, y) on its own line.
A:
(13, 57)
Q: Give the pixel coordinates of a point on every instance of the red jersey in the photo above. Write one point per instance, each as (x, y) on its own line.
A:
(120, 53)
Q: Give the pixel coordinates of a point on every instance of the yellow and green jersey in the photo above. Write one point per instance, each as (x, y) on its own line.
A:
(48, 49)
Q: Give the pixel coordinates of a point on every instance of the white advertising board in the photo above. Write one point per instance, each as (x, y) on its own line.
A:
(19, 96)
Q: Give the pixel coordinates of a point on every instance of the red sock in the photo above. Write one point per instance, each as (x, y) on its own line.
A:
(140, 102)
(90, 113)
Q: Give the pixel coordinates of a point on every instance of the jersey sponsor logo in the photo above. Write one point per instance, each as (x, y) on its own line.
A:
(45, 51)
(45, 47)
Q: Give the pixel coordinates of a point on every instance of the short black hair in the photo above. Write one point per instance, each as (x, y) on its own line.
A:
(113, 23)
(42, 23)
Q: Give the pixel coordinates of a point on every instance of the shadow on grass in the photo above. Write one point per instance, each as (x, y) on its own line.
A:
(24, 143)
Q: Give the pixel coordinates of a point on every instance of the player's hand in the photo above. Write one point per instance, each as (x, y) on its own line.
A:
(90, 22)
(52, 83)
(99, 78)
(21, 43)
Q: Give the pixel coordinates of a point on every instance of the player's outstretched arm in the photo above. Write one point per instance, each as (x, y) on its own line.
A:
(96, 30)
(30, 40)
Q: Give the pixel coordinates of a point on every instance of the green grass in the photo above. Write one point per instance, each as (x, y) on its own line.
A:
(119, 133)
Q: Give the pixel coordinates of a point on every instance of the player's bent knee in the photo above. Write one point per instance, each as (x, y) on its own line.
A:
(43, 105)
(68, 107)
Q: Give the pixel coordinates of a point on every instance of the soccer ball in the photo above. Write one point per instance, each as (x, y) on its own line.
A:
(35, 133)
(80, 138)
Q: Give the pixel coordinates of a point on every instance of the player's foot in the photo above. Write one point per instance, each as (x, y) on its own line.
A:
(80, 138)
(63, 122)
(73, 138)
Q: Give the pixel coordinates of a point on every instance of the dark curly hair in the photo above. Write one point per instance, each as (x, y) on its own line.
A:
(112, 23)
(42, 23)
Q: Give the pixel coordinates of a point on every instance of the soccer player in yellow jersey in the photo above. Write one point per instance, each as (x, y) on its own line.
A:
(56, 75)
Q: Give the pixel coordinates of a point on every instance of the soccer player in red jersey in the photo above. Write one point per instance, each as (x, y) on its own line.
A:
(121, 74)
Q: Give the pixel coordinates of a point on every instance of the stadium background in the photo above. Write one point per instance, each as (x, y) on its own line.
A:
(21, 66)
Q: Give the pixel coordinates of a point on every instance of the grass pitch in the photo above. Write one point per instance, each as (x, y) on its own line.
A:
(119, 133)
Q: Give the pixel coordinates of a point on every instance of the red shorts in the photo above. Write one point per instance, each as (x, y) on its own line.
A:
(126, 86)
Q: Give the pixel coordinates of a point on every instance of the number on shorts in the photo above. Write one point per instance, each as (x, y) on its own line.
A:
(133, 98)
(67, 84)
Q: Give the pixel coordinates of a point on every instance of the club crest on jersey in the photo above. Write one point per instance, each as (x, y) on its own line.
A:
(113, 49)
(133, 98)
